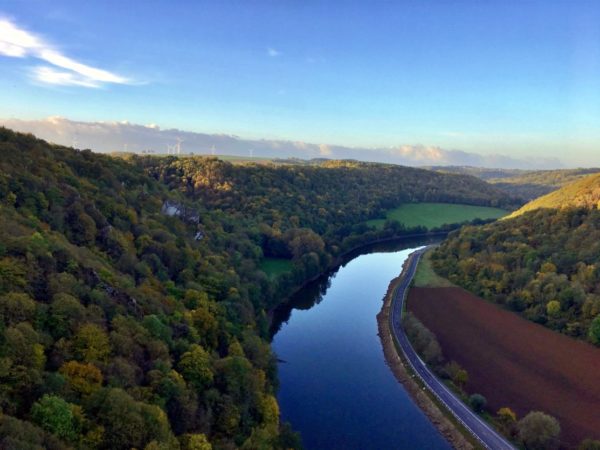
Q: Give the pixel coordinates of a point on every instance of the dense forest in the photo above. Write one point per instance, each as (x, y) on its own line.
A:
(133, 313)
(543, 263)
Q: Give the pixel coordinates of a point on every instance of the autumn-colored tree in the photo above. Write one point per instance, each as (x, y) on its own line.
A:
(195, 366)
(194, 442)
(91, 343)
(83, 378)
(553, 308)
(506, 419)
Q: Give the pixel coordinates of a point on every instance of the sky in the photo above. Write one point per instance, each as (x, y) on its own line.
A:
(516, 78)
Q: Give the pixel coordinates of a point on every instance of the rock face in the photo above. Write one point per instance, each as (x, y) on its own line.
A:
(172, 208)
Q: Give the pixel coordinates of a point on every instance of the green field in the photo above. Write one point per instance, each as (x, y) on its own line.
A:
(433, 215)
(274, 267)
(425, 275)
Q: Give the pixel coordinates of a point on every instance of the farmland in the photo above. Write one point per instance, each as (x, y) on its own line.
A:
(514, 362)
(431, 215)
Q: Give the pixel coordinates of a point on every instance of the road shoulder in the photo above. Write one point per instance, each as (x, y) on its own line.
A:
(394, 361)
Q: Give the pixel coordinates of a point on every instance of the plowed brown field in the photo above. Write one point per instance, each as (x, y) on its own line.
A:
(514, 362)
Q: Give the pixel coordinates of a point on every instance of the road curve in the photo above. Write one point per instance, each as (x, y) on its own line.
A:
(486, 436)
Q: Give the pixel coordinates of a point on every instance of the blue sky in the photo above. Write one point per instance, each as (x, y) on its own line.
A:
(519, 78)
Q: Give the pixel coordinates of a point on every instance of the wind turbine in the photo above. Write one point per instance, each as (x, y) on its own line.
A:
(251, 153)
(212, 150)
(178, 146)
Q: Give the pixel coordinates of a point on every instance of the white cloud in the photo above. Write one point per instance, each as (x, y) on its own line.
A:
(110, 136)
(19, 43)
(325, 150)
(273, 53)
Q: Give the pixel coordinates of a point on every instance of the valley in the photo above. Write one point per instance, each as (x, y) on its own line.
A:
(299, 225)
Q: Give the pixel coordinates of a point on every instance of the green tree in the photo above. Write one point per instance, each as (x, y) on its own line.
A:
(477, 402)
(594, 333)
(539, 431)
(129, 423)
(56, 416)
(195, 366)
(16, 307)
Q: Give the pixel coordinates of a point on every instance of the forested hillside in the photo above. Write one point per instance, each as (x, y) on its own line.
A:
(133, 313)
(543, 263)
(524, 184)
(328, 198)
(584, 192)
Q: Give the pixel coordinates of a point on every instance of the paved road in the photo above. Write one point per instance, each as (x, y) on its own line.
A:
(483, 433)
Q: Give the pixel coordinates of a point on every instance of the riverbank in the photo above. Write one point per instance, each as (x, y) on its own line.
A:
(402, 374)
(336, 388)
(343, 258)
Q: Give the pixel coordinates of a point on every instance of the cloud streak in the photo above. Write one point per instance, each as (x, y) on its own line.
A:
(117, 136)
(273, 53)
(17, 42)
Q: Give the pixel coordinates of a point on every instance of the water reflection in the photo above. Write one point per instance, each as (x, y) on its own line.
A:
(335, 387)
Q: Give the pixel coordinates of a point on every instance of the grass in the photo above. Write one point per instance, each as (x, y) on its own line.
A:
(581, 193)
(431, 215)
(426, 276)
(274, 267)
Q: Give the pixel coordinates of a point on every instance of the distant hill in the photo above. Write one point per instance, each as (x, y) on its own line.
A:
(479, 172)
(524, 184)
(584, 192)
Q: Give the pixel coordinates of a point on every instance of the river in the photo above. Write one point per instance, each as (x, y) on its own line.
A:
(335, 387)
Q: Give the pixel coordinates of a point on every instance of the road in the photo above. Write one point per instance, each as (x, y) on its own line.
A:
(486, 436)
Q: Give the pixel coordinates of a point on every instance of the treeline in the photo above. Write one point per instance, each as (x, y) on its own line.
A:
(533, 184)
(543, 264)
(327, 198)
(133, 313)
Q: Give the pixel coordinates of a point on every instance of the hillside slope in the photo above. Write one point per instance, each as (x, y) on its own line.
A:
(584, 192)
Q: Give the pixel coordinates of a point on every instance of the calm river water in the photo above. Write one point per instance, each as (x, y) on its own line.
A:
(336, 388)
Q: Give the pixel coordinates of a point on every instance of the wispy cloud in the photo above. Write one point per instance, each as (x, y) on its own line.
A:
(273, 52)
(17, 42)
